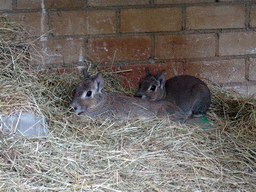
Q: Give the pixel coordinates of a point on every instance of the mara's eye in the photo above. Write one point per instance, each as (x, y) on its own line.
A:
(153, 88)
(89, 93)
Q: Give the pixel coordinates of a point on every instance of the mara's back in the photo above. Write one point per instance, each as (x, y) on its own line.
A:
(189, 93)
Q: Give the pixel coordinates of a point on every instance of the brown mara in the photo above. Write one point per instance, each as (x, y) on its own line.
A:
(82, 154)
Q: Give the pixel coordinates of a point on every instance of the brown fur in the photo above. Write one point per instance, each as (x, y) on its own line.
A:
(187, 92)
(90, 100)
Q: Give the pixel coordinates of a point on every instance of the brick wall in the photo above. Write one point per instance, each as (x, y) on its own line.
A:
(213, 40)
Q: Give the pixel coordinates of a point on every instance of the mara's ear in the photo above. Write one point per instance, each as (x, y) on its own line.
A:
(161, 78)
(147, 72)
(86, 75)
(99, 82)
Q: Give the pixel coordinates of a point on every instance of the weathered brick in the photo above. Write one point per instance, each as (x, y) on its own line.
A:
(241, 89)
(39, 4)
(230, 0)
(116, 2)
(5, 5)
(34, 23)
(184, 46)
(30, 4)
(63, 4)
(181, 1)
(60, 51)
(80, 22)
(146, 20)
(251, 90)
(237, 43)
(248, 90)
(253, 16)
(218, 71)
(132, 78)
(213, 17)
(252, 69)
(112, 49)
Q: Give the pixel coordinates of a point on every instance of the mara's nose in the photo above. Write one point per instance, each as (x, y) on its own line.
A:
(74, 106)
(138, 95)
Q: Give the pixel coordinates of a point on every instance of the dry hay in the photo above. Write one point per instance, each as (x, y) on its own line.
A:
(108, 155)
(13, 53)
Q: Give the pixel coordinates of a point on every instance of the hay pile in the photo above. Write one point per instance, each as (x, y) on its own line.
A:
(106, 155)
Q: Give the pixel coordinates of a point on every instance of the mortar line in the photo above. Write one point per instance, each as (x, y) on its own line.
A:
(14, 5)
(247, 68)
(217, 39)
(118, 23)
(184, 63)
(86, 50)
(50, 23)
(85, 4)
(152, 55)
(183, 18)
(247, 15)
(152, 3)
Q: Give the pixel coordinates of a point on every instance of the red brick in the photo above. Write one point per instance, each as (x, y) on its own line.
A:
(146, 20)
(213, 17)
(237, 43)
(115, 49)
(34, 23)
(253, 16)
(185, 46)
(30, 4)
(39, 4)
(116, 2)
(218, 71)
(5, 5)
(60, 51)
(61, 71)
(133, 77)
(181, 1)
(80, 22)
(63, 4)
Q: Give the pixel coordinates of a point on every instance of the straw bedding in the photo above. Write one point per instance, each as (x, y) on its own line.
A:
(82, 154)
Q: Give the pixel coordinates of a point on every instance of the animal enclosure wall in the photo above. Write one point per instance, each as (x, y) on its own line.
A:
(213, 40)
(75, 153)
